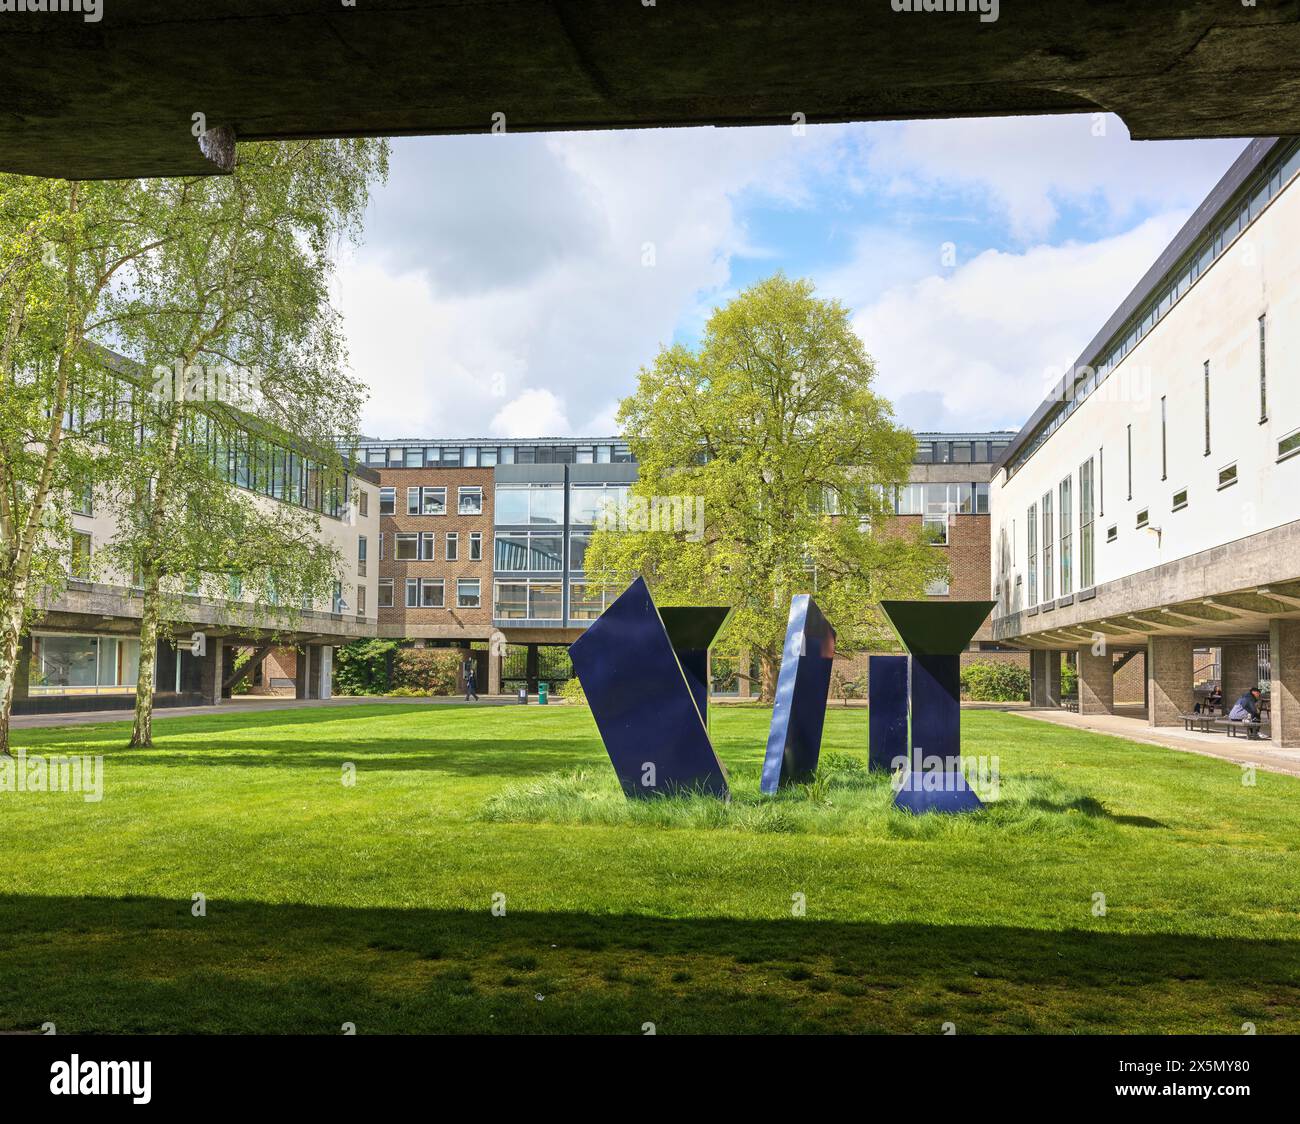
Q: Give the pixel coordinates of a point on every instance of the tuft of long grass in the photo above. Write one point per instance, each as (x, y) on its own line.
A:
(843, 798)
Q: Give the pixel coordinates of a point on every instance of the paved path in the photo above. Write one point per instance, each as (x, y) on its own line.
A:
(246, 704)
(1262, 754)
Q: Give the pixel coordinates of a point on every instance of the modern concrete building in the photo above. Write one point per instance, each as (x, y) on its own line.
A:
(84, 652)
(1152, 503)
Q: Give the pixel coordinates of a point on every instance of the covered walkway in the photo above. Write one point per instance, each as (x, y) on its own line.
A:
(1131, 723)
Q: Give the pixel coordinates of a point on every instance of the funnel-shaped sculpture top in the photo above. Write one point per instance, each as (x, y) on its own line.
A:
(692, 630)
(936, 628)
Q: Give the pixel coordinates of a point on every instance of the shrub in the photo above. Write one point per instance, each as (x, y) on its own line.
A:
(361, 668)
(572, 691)
(995, 681)
(1069, 681)
(427, 671)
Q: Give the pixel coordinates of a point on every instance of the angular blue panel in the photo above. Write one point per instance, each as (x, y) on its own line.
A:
(935, 633)
(887, 694)
(795, 739)
(692, 630)
(642, 703)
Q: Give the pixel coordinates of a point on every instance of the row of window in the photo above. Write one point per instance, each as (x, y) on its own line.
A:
(959, 452)
(488, 456)
(431, 593)
(422, 546)
(1058, 543)
(543, 504)
(1263, 188)
(432, 501)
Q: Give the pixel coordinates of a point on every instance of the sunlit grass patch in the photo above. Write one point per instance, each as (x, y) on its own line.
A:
(843, 798)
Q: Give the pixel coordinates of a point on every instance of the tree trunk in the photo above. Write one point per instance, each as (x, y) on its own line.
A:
(767, 669)
(11, 632)
(142, 731)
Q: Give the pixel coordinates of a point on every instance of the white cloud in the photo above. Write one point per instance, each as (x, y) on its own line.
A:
(973, 349)
(1030, 167)
(535, 413)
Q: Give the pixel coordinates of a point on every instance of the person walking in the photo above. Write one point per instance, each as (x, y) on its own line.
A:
(469, 672)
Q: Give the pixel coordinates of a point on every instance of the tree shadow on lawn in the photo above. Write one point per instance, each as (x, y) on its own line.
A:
(145, 965)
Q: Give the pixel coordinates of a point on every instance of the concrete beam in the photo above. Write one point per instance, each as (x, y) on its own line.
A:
(118, 97)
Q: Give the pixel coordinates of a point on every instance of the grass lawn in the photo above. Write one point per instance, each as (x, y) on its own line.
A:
(372, 903)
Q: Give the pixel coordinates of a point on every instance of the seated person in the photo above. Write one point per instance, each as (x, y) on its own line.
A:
(1246, 709)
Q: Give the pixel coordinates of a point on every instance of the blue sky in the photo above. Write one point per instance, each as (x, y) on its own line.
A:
(515, 284)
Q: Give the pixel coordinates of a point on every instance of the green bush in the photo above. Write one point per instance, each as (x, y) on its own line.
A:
(995, 681)
(361, 668)
(1069, 681)
(427, 671)
(571, 691)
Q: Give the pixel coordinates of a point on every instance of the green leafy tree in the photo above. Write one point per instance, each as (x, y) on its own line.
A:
(67, 255)
(769, 433)
(246, 356)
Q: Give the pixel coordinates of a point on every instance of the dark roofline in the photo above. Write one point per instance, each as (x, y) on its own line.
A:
(1255, 154)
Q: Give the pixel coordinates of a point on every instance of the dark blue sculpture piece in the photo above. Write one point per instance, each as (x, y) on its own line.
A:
(692, 630)
(642, 703)
(936, 633)
(795, 739)
(887, 711)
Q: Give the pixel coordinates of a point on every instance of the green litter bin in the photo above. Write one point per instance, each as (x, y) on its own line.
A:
(541, 694)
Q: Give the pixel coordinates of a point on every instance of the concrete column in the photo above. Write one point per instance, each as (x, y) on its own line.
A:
(325, 678)
(1037, 678)
(494, 672)
(302, 673)
(1239, 665)
(531, 665)
(212, 670)
(1096, 681)
(1169, 679)
(1284, 693)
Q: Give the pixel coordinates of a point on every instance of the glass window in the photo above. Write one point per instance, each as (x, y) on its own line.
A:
(578, 543)
(507, 454)
(469, 501)
(511, 504)
(545, 552)
(511, 601)
(467, 593)
(1031, 525)
(413, 458)
(406, 546)
(603, 454)
(586, 454)
(428, 546)
(586, 502)
(412, 501)
(431, 593)
(470, 456)
(546, 504)
(79, 563)
(412, 593)
(544, 602)
(361, 555)
(65, 661)
(487, 458)
(511, 553)
(451, 546)
(385, 593)
(387, 501)
(433, 501)
(586, 602)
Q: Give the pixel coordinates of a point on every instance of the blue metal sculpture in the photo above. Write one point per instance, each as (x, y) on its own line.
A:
(887, 711)
(795, 739)
(936, 633)
(692, 630)
(642, 702)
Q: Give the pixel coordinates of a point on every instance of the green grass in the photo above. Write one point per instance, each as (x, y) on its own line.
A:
(372, 903)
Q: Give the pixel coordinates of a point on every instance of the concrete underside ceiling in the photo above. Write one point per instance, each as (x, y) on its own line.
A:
(117, 97)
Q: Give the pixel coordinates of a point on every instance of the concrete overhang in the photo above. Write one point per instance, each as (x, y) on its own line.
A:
(1230, 592)
(117, 96)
